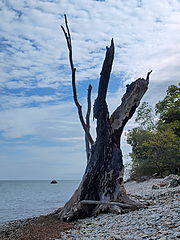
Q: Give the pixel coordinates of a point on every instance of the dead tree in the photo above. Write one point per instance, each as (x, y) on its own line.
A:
(101, 188)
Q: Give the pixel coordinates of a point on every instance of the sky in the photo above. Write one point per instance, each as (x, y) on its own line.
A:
(40, 133)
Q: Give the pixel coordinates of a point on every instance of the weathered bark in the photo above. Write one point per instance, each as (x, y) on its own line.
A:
(130, 101)
(102, 189)
(88, 149)
(73, 70)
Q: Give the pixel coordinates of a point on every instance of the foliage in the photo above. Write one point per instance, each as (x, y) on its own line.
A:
(140, 165)
(163, 151)
(145, 116)
(169, 110)
(156, 144)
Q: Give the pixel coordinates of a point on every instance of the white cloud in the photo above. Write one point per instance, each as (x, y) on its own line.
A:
(34, 55)
(48, 122)
(36, 38)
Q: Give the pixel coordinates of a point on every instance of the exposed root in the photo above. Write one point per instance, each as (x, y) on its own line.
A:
(87, 208)
(92, 202)
(107, 209)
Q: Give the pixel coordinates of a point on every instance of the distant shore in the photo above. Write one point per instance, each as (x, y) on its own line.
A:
(159, 221)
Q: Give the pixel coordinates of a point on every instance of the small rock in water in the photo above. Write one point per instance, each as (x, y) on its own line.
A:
(54, 182)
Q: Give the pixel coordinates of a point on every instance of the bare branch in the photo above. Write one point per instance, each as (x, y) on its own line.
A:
(104, 79)
(67, 27)
(88, 120)
(130, 101)
(105, 73)
(88, 105)
(73, 69)
(148, 74)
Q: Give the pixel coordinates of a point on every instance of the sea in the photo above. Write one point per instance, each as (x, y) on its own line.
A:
(24, 199)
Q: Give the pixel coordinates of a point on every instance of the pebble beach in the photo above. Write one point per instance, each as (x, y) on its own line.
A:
(160, 220)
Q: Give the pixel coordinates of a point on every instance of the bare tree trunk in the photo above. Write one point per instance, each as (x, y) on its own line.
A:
(88, 149)
(102, 189)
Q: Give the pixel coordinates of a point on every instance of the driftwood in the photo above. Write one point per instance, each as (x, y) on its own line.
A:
(101, 188)
(91, 202)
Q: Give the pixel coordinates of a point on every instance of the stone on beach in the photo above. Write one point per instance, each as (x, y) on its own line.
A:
(160, 221)
(170, 181)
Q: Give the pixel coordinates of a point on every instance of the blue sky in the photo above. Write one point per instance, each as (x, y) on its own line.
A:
(40, 134)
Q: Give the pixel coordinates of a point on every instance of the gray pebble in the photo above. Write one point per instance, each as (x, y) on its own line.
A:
(160, 221)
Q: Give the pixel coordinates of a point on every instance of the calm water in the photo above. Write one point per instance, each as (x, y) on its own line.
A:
(22, 199)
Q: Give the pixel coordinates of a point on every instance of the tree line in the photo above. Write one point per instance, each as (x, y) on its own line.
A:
(156, 141)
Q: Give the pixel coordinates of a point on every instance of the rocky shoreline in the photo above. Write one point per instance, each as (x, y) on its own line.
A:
(37, 228)
(159, 221)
